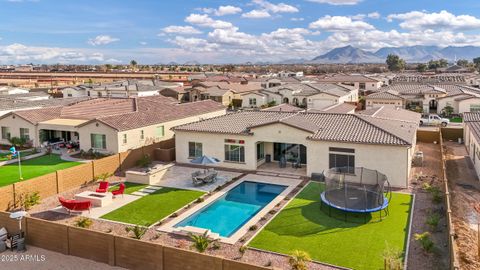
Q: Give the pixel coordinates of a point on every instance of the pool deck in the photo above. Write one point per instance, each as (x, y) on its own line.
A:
(289, 182)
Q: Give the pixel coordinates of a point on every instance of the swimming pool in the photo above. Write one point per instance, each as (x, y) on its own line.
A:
(228, 213)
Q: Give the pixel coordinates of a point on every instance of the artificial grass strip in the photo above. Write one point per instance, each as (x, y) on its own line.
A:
(129, 187)
(154, 207)
(32, 168)
(301, 225)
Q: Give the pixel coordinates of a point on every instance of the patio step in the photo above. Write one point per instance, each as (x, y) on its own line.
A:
(146, 190)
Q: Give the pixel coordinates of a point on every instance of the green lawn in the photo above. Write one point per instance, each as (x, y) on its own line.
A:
(456, 120)
(4, 156)
(154, 207)
(129, 187)
(301, 225)
(33, 168)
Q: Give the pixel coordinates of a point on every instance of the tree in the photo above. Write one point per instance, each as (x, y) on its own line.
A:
(476, 61)
(133, 64)
(422, 68)
(462, 63)
(395, 63)
(443, 63)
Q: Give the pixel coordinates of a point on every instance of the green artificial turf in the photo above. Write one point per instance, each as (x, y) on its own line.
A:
(154, 207)
(5, 156)
(301, 225)
(456, 120)
(129, 187)
(33, 168)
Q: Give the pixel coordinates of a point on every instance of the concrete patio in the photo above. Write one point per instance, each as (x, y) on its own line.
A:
(181, 177)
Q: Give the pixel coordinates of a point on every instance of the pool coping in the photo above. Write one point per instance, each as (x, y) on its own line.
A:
(238, 234)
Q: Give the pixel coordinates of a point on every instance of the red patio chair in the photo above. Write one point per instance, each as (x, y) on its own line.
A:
(103, 187)
(120, 190)
(75, 205)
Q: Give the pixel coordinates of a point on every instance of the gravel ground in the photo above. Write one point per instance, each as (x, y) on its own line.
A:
(42, 259)
(465, 190)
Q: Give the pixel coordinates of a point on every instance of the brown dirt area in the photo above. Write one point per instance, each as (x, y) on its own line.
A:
(431, 173)
(465, 189)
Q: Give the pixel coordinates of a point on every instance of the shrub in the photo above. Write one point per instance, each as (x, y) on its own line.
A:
(199, 200)
(144, 161)
(138, 231)
(28, 200)
(242, 249)
(392, 258)
(83, 222)
(253, 228)
(299, 259)
(432, 220)
(17, 141)
(216, 245)
(200, 242)
(425, 241)
(103, 176)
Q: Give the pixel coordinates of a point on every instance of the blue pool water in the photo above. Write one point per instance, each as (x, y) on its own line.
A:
(231, 211)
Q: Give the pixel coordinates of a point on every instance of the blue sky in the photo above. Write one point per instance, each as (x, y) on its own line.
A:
(51, 31)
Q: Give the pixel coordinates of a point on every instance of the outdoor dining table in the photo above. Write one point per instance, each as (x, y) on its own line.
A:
(204, 175)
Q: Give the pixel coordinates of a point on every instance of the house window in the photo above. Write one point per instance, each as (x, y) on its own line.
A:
(362, 86)
(99, 141)
(24, 133)
(260, 151)
(345, 162)
(160, 131)
(473, 108)
(69, 95)
(124, 136)
(6, 133)
(234, 153)
(252, 101)
(195, 149)
(142, 134)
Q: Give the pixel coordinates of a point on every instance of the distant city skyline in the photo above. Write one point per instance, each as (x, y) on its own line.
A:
(152, 32)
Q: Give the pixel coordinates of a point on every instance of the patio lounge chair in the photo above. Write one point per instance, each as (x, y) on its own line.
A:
(120, 190)
(103, 187)
(75, 205)
(195, 180)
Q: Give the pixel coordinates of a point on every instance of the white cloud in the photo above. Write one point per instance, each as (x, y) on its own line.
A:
(340, 23)
(295, 19)
(186, 30)
(256, 14)
(443, 20)
(102, 40)
(20, 53)
(337, 2)
(222, 10)
(194, 44)
(204, 20)
(275, 8)
(374, 15)
(143, 43)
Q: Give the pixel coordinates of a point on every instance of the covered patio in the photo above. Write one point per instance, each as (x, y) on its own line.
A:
(281, 158)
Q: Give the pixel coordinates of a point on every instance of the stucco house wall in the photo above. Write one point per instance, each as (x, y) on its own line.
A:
(14, 123)
(393, 161)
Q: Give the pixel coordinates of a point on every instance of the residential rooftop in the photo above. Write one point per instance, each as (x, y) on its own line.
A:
(338, 127)
(123, 113)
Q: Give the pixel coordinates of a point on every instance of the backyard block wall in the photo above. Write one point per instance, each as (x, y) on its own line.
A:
(428, 136)
(6, 197)
(116, 250)
(75, 176)
(452, 133)
(46, 185)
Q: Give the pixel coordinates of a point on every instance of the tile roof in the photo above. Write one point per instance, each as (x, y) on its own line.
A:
(340, 108)
(471, 117)
(390, 95)
(7, 104)
(348, 78)
(310, 89)
(321, 126)
(388, 112)
(284, 107)
(125, 113)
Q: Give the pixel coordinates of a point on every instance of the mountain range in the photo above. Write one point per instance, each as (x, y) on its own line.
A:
(412, 54)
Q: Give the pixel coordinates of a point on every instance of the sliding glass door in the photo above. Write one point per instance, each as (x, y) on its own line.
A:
(291, 152)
